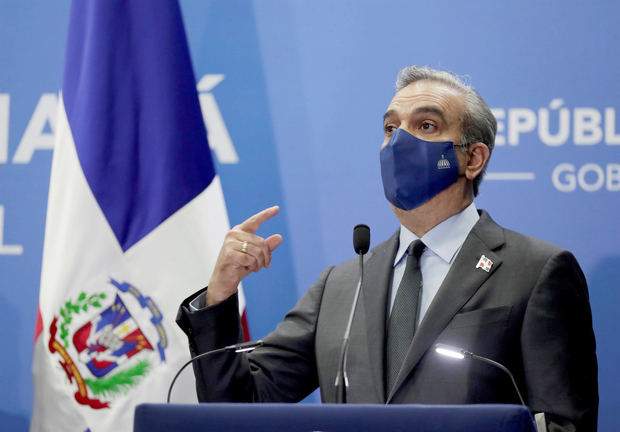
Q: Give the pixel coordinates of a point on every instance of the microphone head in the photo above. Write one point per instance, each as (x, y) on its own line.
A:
(361, 238)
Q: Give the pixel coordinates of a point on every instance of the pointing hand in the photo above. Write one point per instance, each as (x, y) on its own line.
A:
(243, 252)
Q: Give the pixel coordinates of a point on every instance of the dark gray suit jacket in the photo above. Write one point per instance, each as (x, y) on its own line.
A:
(530, 312)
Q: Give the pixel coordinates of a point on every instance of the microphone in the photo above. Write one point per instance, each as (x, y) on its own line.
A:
(361, 239)
(361, 243)
(237, 348)
(460, 353)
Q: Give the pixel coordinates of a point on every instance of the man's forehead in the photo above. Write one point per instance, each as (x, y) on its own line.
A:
(429, 85)
(426, 96)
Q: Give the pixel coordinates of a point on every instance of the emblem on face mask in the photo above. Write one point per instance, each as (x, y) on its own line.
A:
(443, 163)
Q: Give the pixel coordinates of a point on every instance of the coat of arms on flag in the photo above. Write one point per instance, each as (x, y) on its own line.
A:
(484, 263)
(103, 348)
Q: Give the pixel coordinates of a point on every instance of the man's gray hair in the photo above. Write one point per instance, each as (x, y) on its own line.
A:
(478, 123)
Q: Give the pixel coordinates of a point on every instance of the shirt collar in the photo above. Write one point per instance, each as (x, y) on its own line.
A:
(445, 239)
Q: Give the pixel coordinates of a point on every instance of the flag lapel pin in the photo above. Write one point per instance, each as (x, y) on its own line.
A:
(484, 263)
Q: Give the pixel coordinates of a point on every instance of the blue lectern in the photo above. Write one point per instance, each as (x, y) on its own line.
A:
(331, 418)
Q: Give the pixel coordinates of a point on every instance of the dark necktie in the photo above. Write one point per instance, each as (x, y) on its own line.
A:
(404, 316)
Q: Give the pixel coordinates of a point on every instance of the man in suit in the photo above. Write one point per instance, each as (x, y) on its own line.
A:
(449, 275)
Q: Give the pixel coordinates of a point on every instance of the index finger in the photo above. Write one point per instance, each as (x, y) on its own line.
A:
(254, 222)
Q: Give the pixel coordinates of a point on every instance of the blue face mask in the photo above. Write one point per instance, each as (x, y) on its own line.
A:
(414, 170)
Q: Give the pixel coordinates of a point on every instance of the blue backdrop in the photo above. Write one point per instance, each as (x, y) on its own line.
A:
(303, 91)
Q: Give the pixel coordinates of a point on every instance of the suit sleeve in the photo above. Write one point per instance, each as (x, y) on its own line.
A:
(558, 348)
(283, 369)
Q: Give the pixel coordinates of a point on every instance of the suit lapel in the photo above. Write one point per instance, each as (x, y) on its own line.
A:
(460, 284)
(378, 270)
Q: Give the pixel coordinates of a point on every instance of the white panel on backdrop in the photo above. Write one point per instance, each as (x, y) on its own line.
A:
(217, 133)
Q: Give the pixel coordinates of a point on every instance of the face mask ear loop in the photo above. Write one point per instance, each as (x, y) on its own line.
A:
(464, 148)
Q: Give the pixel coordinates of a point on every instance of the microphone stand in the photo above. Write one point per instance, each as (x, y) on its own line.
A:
(502, 367)
(456, 352)
(342, 381)
(361, 243)
(237, 348)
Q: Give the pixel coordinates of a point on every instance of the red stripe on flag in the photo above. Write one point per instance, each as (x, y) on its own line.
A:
(244, 325)
(38, 327)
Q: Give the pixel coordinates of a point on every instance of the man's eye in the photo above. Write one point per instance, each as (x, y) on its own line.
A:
(389, 129)
(427, 126)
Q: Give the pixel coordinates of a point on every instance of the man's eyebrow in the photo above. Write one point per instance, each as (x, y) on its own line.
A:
(388, 114)
(430, 110)
(420, 110)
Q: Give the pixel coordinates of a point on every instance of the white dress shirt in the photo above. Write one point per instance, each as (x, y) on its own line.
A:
(443, 243)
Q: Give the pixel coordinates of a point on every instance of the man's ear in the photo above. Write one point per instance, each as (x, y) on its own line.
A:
(478, 156)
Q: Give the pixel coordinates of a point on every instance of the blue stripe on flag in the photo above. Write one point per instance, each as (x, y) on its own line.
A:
(130, 96)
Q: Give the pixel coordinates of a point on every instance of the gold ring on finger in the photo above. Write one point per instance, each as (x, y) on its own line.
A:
(244, 248)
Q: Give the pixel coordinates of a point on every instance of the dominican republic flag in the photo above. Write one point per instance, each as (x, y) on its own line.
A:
(135, 219)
